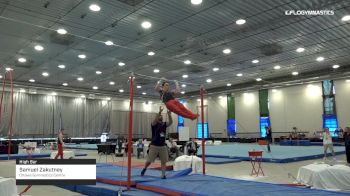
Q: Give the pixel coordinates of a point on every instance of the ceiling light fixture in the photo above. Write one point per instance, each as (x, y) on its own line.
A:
(45, 74)
(215, 69)
(156, 70)
(38, 48)
(182, 92)
(22, 60)
(53, 93)
(146, 24)
(144, 93)
(111, 83)
(80, 79)
(22, 90)
(95, 87)
(295, 73)
(196, 2)
(183, 85)
(98, 72)
(31, 80)
(277, 67)
(240, 21)
(239, 74)
(319, 59)
(8, 69)
(209, 80)
(228, 84)
(109, 43)
(61, 31)
(346, 18)
(226, 51)
(94, 7)
(185, 76)
(300, 50)
(65, 84)
(187, 62)
(151, 53)
(121, 90)
(82, 56)
(61, 66)
(138, 86)
(335, 66)
(255, 61)
(121, 64)
(258, 79)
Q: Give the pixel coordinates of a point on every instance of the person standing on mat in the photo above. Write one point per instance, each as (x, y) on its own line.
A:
(140, 147)
(327, 143)
(60, 144)
(158, 146)
(268, 137)
(347, 143)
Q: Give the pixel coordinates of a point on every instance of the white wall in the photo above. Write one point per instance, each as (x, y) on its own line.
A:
(139, 106)
(247, 114)
(342, 100)
(215, 114)
(297, 106)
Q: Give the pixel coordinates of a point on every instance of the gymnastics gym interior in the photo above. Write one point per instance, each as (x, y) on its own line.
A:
(254, 94)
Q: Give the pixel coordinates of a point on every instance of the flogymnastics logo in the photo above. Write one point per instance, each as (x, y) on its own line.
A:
(309, 12)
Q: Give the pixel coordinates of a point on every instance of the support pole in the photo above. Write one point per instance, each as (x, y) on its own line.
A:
(202, 117)
(11, 118)
(130, 128)
(1, 100)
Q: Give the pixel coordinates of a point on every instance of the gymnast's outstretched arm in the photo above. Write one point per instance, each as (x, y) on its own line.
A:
(158, 86)
(157, 116)
(177, 90)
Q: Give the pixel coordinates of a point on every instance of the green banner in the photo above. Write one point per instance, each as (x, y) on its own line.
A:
(230, 107)
(263, 102)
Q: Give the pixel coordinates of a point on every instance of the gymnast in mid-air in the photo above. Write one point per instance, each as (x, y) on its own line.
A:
(172, 104)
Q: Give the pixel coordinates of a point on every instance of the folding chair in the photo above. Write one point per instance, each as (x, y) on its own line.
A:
(255, 160)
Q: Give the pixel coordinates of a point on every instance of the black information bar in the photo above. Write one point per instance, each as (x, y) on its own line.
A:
(56, 161)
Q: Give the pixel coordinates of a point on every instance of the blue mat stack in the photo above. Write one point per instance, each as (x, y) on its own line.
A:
(295, 143)
(211, 185)
(101, 189)
(279, 154)
(217, 160)
(180, 183)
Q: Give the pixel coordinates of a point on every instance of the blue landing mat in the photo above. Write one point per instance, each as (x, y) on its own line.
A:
(211, 185)
(295, 143)
(215, 160)
(117, 175)
(101, 189)
(81, 146)
(321, 144)
(35, 155)
(279, 154)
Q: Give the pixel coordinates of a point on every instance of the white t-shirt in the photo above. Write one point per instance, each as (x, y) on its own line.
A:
(327, 138)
